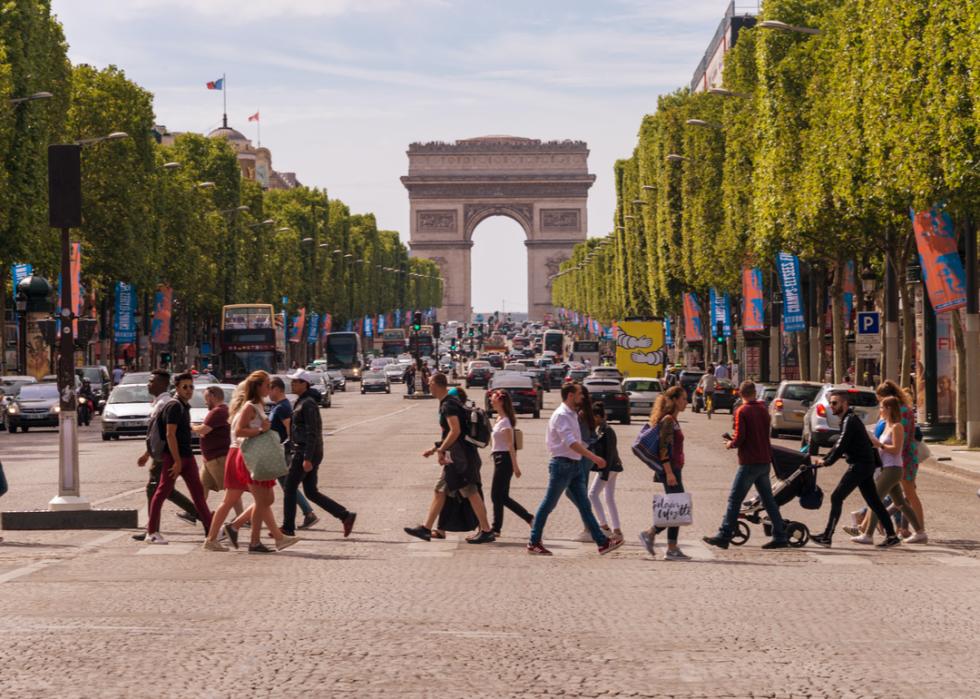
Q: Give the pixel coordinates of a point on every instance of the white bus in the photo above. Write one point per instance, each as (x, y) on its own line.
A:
(585, 351)
(554, 341)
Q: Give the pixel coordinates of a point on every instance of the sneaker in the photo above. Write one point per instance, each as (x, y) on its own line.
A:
(775, 545)
(719, 541)
(156, 538)
(676, 555)
(647, 540)
(610, 546)
(232, 534)
(482, 538)
(862, 539)
(851, 531)
(349, 523)
(213, 546)
(187, 517)
(259, 548)
(821, 540)
(917, 538)
(538, 550)
(889, 542)
(605, 529)
(286, 541)
(585, 536)
(856, 518)
(309, 519)
(419, 532)
(139, 537)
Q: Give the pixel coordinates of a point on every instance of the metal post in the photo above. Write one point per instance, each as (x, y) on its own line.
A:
(972, 338)
(775, 340)
(891, 368)
(815, 326)
(929, 362)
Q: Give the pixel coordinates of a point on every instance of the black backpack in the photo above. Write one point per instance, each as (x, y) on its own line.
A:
(477, 429)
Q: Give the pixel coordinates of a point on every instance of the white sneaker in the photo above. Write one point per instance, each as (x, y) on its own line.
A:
(917, 538)
(676, 555)
(862, 539)
(584, 537)
(156, 538)
(857, 517)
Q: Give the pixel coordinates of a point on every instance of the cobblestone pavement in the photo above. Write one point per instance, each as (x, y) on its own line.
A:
(86, 614)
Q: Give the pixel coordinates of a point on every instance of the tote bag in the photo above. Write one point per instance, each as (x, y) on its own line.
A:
(264, 456)
(672, 510)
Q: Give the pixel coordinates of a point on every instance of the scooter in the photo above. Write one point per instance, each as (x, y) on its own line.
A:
(84, 411)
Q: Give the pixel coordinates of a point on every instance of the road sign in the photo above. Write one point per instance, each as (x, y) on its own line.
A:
(867, 341)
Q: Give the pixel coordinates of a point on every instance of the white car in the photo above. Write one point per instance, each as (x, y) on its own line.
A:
(821, 427)
(199, 408)
(127, 412)
(515, 367)
(606, 372)
(643, 392)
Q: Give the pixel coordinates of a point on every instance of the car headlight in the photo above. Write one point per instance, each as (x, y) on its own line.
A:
(12, 409)
(108, 415)
(56, 409)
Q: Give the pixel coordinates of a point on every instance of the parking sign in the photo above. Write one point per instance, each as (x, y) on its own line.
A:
(868, 337)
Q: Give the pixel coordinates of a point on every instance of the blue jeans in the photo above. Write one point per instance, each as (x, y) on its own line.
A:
(570, 477)
(3, 481)
(749, 475)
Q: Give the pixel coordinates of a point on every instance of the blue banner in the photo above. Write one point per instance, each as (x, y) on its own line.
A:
(398, 317)
(349, 326)
(19, 273)
(668, 332)
(381, 323)
(789, 281)
(124, 322)
(314, 328)
(368, 329)
(721, 310)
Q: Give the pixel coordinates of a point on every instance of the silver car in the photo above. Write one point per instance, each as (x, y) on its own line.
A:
(790, 404)
(127, 412)
(643, 393)
(821, 427)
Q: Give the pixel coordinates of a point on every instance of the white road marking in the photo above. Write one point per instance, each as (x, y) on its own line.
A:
(842, 559)
(370, 420)
(167, 550)
(119, 496)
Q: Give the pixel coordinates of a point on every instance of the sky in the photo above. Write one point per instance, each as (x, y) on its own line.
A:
(343, 86)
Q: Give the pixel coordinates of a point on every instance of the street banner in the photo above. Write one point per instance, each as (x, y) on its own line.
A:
(296, 325)
(789, 280)
(75, 266)
(692, 318)
(754, 308)
(942, 267)
(349, 326)
(368, 326)
(18, 273)
(381, 323)
(314, 328)
(398, 317)
(162, 308)
(668, 332)
(849, 288)
(124, 321)
(327, 323)
(721, 310)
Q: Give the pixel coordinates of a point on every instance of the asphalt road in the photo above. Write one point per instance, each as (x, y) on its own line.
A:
(86, 613)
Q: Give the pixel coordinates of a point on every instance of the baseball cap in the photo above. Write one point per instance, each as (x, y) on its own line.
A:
(304, 375)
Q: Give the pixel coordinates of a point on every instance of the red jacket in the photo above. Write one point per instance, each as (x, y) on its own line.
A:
(751, 435)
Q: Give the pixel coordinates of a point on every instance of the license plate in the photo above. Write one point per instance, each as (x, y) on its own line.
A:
(35, 416)
(131, 423)
(642, 405)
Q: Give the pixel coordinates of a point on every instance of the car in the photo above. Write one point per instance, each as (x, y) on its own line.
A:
(764, 392)
(338, 380)
(606, 372)
(613, 397)
(525, 397)
(324, 386)
(36, 405)
(381, 362)
(515, 366)
(496, 360)
(723, 398)
(127, 412)
(688, 380)
(9, 388)
(395, 373)
(205, 378)
(556, 373)
(478, 373)
(574, 374)
(100, 380)
(375, 382)
(540, 376)
(199, 408)
(821, 427)
(131, 377)
(790, 404)
(642, 393)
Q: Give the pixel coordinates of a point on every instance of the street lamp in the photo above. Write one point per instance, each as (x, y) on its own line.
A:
(784, 27)
(114, 136)
(173, 165)
(30, 98)
(205, 185)
(675, 158)
(868, 283)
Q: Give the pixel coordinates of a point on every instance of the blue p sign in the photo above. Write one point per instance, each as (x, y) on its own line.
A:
(868, 323)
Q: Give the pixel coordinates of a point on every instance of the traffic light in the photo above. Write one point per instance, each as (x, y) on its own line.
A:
(719, 332)
(436, 330)
(459, 332)
(470, 332)
(417, 321)
(165, 357)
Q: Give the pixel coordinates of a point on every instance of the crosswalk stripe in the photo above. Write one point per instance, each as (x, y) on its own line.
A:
(841, 559)
(168, 550)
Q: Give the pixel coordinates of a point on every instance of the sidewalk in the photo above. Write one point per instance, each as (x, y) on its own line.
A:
(957, 460)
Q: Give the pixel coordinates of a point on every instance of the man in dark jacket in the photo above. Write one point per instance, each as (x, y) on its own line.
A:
(751, 438)
(855, 445)
(306, 435)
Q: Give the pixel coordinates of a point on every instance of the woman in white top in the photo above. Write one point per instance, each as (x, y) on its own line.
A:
(889, 481)
(504, 452)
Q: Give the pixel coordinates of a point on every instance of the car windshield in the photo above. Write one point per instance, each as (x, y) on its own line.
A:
(860, 399)
(134, 393)
(800, 391)
(642, 386)
(40, 391)
(374, 375)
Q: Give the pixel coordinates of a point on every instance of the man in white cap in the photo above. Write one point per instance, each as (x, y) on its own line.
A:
(306, 435)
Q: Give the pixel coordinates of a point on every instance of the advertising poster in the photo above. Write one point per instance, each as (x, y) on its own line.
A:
(368, 327)
(942, 267)
(162, 309)
(721, 311)
(668, 332)
(850, 291)
(124, 319)
(754, 309)
(327, 323)
(314, 328)
(692, 319)
(296, 325)
(789, 280)
(641, 348)
(75, 263)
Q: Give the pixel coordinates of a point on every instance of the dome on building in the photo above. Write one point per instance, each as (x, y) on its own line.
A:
(227, 133)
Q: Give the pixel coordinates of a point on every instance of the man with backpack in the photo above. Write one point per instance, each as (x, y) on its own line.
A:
(460, 463)
(156, 445)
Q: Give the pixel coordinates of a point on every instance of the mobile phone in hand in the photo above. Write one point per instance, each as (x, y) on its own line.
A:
(727, 437)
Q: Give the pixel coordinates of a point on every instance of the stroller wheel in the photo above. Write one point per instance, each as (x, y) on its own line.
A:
(742, 533)
(797, 533)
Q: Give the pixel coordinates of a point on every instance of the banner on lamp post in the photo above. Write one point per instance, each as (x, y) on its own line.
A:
(692, 318)
(789, 279)
(753, 303)
(296, 325)
(124, 320)
(942, 266)
(162, 310)
(721, 310)
(314, 329)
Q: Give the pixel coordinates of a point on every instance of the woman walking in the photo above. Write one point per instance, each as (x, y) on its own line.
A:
(910, 460)
(604, 481)
(891, 447)
(669, 405)
(504, 452)
(247, 420)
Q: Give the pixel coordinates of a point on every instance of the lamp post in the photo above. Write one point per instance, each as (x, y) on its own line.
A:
(869, 283)
(775, 333)
(972, 337)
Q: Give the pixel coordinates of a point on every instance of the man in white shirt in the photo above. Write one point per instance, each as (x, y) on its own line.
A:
(569, 462)
(721, 371)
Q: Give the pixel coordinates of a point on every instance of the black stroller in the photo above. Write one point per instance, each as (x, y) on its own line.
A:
(794, 478)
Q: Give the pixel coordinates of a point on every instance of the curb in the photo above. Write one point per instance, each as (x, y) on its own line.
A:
(947, 468)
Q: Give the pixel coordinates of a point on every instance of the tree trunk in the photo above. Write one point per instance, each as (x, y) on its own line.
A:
(3, 320)
(837, 315)
(803, 354)
(821, 324)
(908, 315)
(957, 320)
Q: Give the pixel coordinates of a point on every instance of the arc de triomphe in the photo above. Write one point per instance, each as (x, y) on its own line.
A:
(452, 187)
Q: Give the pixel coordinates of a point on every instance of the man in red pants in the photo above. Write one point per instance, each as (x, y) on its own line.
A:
(178, 459)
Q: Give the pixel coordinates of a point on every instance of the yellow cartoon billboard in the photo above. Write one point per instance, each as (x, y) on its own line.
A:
(640, 349)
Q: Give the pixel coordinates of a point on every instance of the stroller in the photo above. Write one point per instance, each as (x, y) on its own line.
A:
(794, 478)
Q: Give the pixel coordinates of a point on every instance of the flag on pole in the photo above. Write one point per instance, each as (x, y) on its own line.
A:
(254, 117)
(218, 84)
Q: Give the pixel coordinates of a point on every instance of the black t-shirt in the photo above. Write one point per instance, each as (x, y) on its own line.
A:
(451, 407)
(178, 413)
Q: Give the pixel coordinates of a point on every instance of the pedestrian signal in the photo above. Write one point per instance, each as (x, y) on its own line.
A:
(417, 321)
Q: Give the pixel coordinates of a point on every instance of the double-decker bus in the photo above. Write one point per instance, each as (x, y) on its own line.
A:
(422, 342)
(586, 351)
(252, 338)
(554, 341)
(344, 354)
(393, 342)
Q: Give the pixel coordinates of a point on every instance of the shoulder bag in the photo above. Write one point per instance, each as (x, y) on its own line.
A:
(264, 456)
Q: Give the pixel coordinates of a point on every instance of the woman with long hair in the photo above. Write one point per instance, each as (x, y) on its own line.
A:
(587, 425)
(669, 405)
(504, 452)
(604, 481)
(247, 420)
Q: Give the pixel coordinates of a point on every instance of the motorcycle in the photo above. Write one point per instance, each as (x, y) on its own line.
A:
(84, 411)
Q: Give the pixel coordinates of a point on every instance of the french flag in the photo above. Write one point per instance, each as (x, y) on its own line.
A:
(218, 84)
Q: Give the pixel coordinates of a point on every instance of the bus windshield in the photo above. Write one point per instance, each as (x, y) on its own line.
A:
(341, 350)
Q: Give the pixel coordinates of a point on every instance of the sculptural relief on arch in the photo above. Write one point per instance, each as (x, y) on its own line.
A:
(453, 187)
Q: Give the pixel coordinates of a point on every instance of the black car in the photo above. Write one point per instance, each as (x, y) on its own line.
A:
(724, 397)
(375, 382)
(615, 400)
(37, 405)
(556, 374)
(526, 398)
(540, 376)
(478, 375)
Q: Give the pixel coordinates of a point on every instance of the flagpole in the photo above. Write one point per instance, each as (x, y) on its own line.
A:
(224, 96)
(258, 126)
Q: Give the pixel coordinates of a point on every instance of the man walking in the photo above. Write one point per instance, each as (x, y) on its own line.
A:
(568, 454)
(460, 463)
(178, 459)
(306, 433)
(155, 446)
(751, 438)
(707, 385)
(215, 436)
(855, 444)
(280, 418)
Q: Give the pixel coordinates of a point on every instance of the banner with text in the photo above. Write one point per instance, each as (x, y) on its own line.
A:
(721, 312)
(124, 322)
(314, 328)
(692, 319)
(942, 266)
(789, 280)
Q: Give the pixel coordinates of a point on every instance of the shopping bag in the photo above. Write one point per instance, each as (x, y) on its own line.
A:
(672, 510)
(264, 456)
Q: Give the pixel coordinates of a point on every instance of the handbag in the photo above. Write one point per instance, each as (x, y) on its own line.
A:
(647, 448)
(264, 456)
(518, 439)
(672, 510)
(922, 451)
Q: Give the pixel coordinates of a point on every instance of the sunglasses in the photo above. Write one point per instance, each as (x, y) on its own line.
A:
(834, 403)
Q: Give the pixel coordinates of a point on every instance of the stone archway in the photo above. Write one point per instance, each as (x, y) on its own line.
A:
(453, 187)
